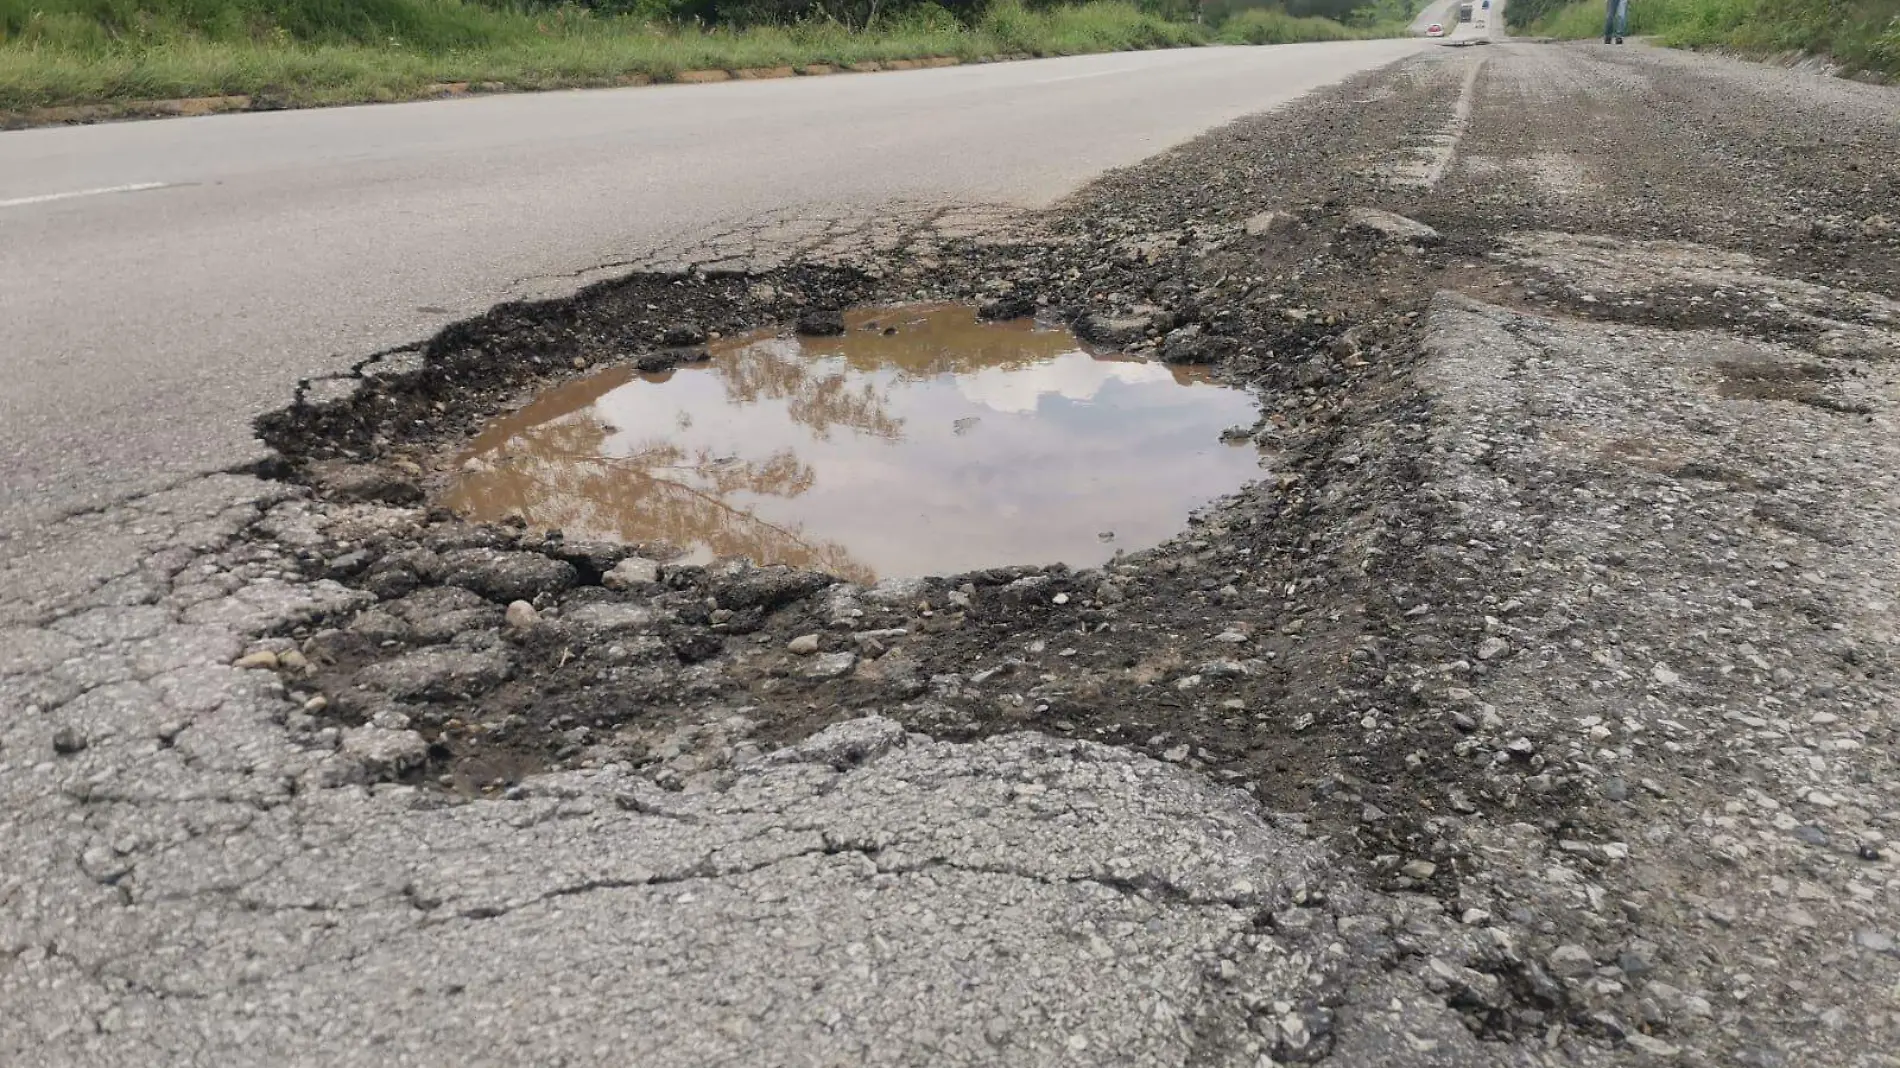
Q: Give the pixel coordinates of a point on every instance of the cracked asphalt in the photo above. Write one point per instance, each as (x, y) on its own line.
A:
(1562, 733)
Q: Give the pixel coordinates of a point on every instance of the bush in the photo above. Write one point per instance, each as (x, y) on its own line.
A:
(330, 51)
(1262, 26)
(1859, 34)
(1096, 27)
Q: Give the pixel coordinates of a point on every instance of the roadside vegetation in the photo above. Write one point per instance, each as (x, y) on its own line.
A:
(296, 52)
(1860, 35)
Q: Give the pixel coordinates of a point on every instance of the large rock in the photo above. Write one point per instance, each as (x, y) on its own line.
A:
(503, 576)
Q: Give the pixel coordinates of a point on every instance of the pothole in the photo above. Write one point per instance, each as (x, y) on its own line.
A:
(919, 441)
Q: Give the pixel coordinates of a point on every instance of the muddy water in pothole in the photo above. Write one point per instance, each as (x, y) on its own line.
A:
(920, 442)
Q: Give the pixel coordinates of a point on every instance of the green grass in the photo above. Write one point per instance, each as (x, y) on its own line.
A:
(300, 52)
(1861, 35)
(1262, 26)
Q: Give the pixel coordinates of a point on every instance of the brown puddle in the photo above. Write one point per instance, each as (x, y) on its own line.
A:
(920, 442)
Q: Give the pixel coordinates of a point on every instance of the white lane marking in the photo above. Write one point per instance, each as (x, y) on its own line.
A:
(1429, 162)
(1455, 130)
(44, 198)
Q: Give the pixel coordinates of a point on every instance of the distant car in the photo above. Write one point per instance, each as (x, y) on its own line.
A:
(1478, 25)
(1487, 5)
(1434, 30)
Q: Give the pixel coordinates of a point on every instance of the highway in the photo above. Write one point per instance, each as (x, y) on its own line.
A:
(163, 282)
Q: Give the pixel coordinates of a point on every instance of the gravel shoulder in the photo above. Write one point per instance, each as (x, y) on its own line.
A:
(1534, 708)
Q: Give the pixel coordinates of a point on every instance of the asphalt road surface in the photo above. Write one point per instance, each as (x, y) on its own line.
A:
(1538, 711)
(162, 282)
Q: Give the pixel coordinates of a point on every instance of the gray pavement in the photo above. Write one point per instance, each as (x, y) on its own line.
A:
(1656, 570)
(186, 881)
(232, 255)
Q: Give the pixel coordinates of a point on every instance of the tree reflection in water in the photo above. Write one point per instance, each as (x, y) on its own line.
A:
(709, 457)
(552, 463)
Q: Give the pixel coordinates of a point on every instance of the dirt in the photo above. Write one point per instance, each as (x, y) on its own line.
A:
(1297, 638)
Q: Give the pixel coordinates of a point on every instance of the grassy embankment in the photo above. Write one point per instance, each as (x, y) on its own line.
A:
(300, 52)
(1860, 35)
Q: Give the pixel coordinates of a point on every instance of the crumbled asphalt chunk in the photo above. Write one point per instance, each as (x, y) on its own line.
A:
(438, 674)
(367, 482)
(503, 576)
(632, 573)
(683, 335)
(1392, 226)
(825, 322)
(1010, 307)
(739, 585)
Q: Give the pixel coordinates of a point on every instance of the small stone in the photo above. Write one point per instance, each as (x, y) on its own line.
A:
(69, 740)
(1060, 598)
(635, 572)
(831, 666)
(1615, 789)
(1419, 869)
(1868, 852)
(293, 661)
(1664, 675)
(803, 645)
(1634, 960)
(1873, 940)
(1474, 917)
(262, 660)
(316, 704)
(1571, 962)
(1493, 647)
(1654, 1047)
(1811, 834)
(1261, 224)
(1522, 747)
(521, 615)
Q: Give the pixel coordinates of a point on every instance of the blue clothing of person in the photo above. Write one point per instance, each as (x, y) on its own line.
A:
(1616, 20)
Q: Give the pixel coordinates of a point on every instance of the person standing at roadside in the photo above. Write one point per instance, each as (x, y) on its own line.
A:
(1616, 20)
